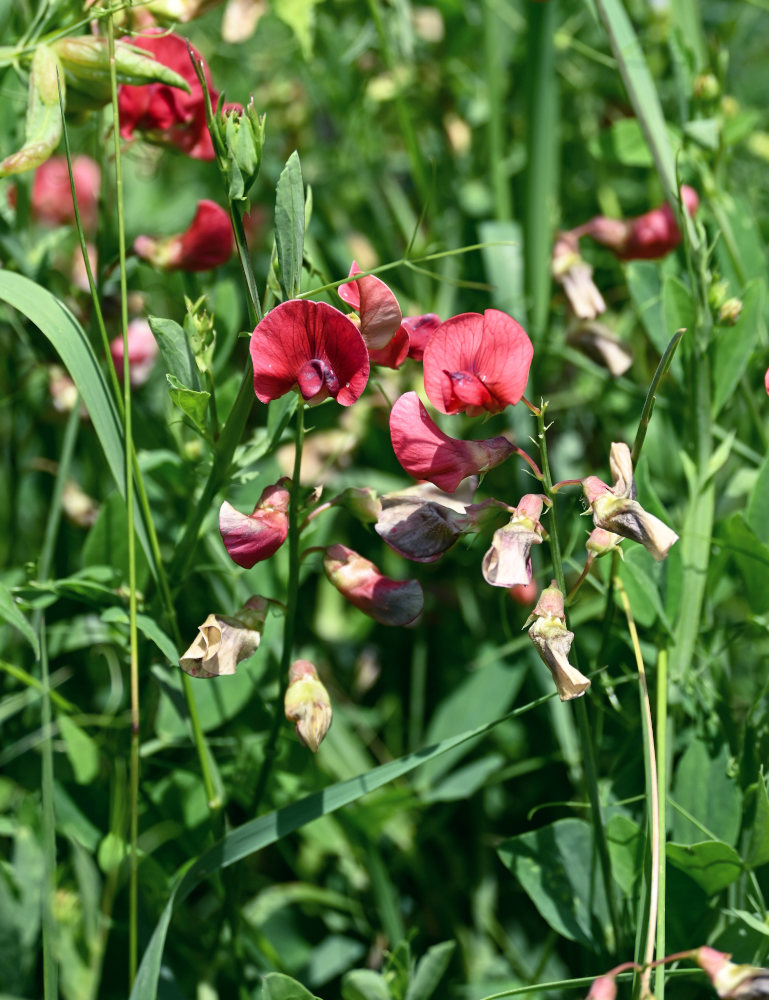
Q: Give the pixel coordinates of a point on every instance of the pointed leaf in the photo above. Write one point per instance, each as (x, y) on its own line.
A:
(192, 404)
(175, 348)
(712, 864)
(430, 968)
(289, 226)
(11, 613)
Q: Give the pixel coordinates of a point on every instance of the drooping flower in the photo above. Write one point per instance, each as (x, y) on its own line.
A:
(553, 641)
(645, 237)
(252, 538)
(307, 704)
(223, 641)
(616, 509)
(575, 276)
(477, 363)
(732, 981)
(598, 342)
(51, 201)
(206, 243)
(312, 346)
(508, 561)
(603, 988)
(425, 452)
(380, 314)
(387, 601)
(421, 522)
(166, 114)
(142, 352)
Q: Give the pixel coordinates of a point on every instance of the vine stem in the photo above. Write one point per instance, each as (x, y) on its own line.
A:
(270, 751)
(588, 754)
(652, 782)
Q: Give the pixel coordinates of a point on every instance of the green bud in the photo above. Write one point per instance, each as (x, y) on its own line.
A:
(243, 141)
(42, 130)
(201, 335)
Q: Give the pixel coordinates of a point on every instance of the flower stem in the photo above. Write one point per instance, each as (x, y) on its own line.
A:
(292, 593)
(662, 784)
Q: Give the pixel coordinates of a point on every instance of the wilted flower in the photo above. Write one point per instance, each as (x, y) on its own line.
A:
(167, 114)
(425, 452)
(616, 509)
(223, 641)
(51, 201)
(731, 981)
(508, 561)
(380, 314)
(553, 642)
(307, 704)
(252, 538)
(477, 363)
(421, 523)
(142, 352)
(645, 237)
(206, 243)
(311, 346)
(389, 602)
(575, 275)
(599, 343)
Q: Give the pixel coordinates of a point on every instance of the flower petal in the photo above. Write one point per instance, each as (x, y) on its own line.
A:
(420, 329)
(387, 601)
(252, 538)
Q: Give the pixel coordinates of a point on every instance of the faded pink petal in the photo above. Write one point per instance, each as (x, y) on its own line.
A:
(51, 201)
(252, 538)
(419, 529)
(477, 363)
(310, 345)
(508, 561)
(387, 601)
(425, 452)
(222, 641)
(142, 352)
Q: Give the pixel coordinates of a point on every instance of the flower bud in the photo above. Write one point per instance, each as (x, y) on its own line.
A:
(252, 538)
(307, 704)
(242, 131)
(508, 561)
(224, 641)
(600, 542)
(389, 602)
(553, 641)
(603, 988)
(205, 244)
(201, 335)
(731, 981)
(729, 311)
(42, 129)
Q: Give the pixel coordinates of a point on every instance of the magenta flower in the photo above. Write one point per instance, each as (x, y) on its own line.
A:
(206, 243)
(387, 601)
(52, 195)
(425, 452)
(477, 363)
(252, 538)
(766, 380)
(380, 314)
(312, 346)
(645, 237)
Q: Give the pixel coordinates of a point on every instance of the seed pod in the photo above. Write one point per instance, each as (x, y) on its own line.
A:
(43, 125)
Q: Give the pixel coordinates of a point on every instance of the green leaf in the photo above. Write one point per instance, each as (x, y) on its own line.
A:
(11, 613)
(758, 845)
(752, 558)
(149, 627)
(733, 345)
(192, 403)
(557, 868)
(82, 752)
(704, 789)
(289, 226)
(107, 542)
(430, 969)
(251, 837)
(645, 286)
(175, 348)
(706, 132)
(638, 573)
(678, 305)
(465, 781)
(364, 984)
(61, 328)
(276, 986)
(504, 266)
(299, 15)
(712, 864)
(624, 142)
(757, 515)
(626, 842)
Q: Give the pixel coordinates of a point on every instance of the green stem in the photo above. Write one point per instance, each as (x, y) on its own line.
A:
(252, 302)
(292, 593)
(586, 741)
(662, 784)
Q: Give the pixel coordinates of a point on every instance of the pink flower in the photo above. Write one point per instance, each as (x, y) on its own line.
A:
(425, 452)
(766, 380)
(252, 538)
(52, 196)
(420, 329)
(508, 562)
(310, 345)
(206, 243)
(389, 602)
(380, 314)
(167, 114)
(477, 363)
(142, 352)
(646, 237)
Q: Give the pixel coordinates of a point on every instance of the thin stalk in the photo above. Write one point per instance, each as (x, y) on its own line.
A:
(651, 395)
(133, 633)
(252, 302)
(292, 593)
(662, 786)
(652, 785)
(588, 753)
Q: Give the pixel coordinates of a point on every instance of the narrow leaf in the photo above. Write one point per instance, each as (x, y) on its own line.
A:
(11, 613)
(430, 970)
(173, 344)
(289, 226)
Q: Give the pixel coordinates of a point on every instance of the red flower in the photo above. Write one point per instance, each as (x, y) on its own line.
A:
(419, 329)
(167, 114)
(766, 380)
(647, 236)
(474, 363)
(380, 314)
(425, 452)
(252, 538)
(310, 345)
(142, 352)
(389, 602)
(205, 244)
(52, 195)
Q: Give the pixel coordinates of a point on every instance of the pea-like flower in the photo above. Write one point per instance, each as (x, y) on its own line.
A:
(645, 237)
(732, 981)
(553, 641)
(387, 601)
(421, 522)
(310, 346)
(142, 352)
(425, 452)
(252, 538)
(223, 641)
(508, 561)
(51, 201)
(307, 704)
(477, 364)
(206, 243)
(380, 314)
